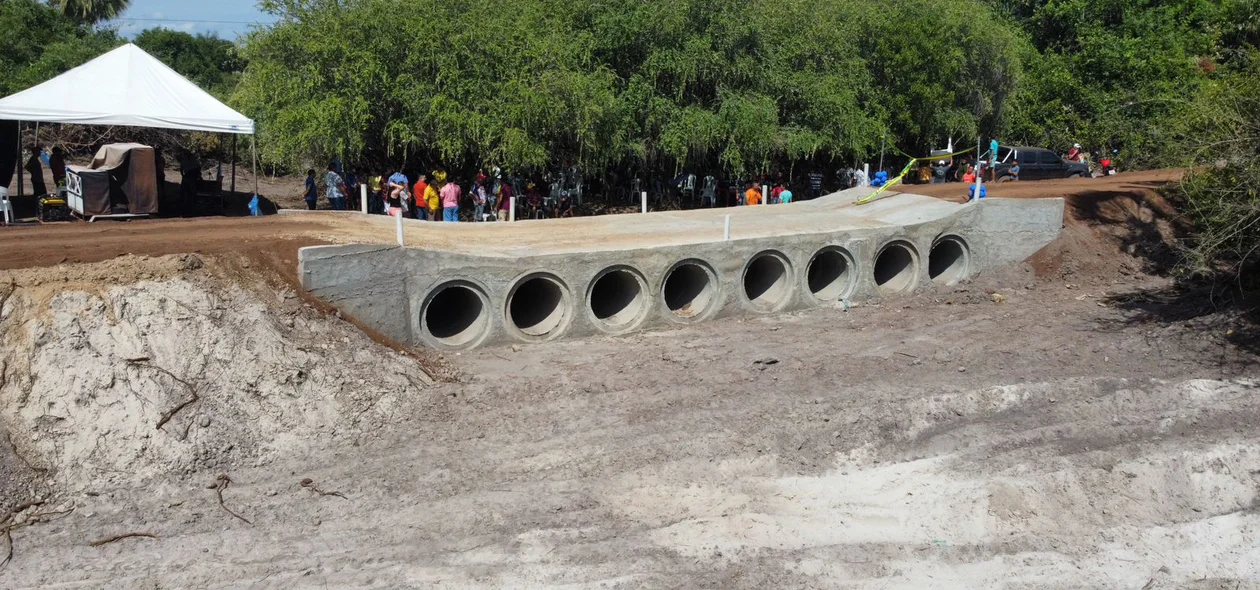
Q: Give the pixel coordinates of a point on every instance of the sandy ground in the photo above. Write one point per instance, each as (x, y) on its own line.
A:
(1069, 424)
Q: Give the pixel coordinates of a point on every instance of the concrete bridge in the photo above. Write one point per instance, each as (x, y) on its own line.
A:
(460, 286)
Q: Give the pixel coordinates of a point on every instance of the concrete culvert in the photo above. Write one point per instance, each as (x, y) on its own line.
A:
(538, 305)
(766, 281)
(948, 263)
(689, 290)
(829, 274)
(456, 315)
(617, 297)
(895, 268)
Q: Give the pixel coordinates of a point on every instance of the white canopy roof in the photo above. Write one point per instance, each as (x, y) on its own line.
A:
(124, 87)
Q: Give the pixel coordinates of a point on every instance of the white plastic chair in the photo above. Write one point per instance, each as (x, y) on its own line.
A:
(5, 206)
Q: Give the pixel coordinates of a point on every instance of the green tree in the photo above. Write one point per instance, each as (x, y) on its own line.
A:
(40, 43)
(91, 11)
(211, 62)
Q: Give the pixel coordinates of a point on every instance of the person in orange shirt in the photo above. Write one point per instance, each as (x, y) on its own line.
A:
(419, 205)
(752, 196)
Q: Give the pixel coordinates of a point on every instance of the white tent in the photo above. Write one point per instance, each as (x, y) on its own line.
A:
(124, 87)
(127, 87)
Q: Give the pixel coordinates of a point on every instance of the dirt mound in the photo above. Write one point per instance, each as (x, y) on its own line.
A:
(136, 368)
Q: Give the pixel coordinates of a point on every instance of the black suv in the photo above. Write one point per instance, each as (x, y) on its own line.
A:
(1037, 164)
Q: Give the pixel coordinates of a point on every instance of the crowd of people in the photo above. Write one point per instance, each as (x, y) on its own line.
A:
(489, 195)
(435, 196)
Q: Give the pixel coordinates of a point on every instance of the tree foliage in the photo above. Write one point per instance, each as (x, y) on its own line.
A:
(91, 11)
(723, 84)
(210, 62)
(40, 43)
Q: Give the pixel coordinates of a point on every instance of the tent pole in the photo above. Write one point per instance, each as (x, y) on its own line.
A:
(20, 164)
(233, 163)
(253, 147)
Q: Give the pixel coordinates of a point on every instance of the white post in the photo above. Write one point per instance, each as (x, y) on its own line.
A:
(866, 174)
(363, 197)
(765, 194)
(512, 209)
(643, 198)
(976, 195)
(398, 224)
(726, 233)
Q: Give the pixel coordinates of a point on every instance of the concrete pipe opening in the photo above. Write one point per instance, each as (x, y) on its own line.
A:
(618, 297)
(949, 261)
(830, 274)
(456, 315)
(538, 306)
(690, 290)
(767, 281)
(896, 268)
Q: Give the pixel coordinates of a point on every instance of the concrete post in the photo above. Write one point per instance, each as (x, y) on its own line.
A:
(512, 209)
(765, 194)
(363, 197)
(726, 233)
(644, 199)
(866, 172)
(399, 226)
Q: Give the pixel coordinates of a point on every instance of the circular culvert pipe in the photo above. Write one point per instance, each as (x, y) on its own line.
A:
(950, 261)
(618, 298)
(538, 306)
(831, 275)
(896, 268)
(768, 281)
(690, 290)
(456, 315)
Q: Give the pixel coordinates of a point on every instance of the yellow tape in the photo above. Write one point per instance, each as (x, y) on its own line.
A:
(906, 171)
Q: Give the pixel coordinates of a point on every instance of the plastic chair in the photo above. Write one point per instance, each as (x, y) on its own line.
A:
(6, 207)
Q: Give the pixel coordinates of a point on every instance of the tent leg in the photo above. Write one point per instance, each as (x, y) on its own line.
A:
(233, 163)
(253, 147)
(20, 164)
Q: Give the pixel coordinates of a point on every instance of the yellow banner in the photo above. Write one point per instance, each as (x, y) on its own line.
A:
(905, 171)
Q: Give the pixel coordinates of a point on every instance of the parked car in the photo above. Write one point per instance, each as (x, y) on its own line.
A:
(1038, 164)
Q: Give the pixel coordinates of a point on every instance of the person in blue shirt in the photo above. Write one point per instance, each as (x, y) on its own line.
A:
(312, 191)
(1014, 170)
(785, 196)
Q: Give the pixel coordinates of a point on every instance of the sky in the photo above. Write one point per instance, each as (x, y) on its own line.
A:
(232, 17)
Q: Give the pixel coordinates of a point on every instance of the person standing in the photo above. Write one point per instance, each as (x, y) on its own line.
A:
(376, 200)
(397, 185)
(478, 194)
(1013, 171)
(775, 192)
(451, 194)
(815, 184)
(504, 203)
(419, 192)
(352, 185)
(335, 187)
(36, 168)
(189, 174)
(432, 200)
(57, 165)
(785, 196)
(312, 190)
(752, 196)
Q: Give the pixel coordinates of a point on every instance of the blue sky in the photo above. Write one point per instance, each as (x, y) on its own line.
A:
(192, 16)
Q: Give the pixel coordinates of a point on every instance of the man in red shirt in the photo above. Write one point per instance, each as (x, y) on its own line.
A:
(417, 193)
